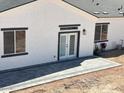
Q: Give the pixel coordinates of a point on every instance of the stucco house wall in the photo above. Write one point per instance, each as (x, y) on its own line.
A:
(43, 18)
(115, 31)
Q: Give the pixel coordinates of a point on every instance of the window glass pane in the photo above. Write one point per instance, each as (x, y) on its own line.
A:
(97, 32)
(104, 32)
(20, 41)
(8, 42)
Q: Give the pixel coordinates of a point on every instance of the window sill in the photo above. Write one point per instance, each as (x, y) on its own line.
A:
(101, 41)
(12, 55)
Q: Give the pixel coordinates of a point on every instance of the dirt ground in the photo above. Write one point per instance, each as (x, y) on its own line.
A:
(106, 81)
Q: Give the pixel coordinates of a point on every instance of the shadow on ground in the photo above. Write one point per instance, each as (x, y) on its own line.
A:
(112, 53)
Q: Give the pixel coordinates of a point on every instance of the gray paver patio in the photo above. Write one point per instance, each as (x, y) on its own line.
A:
(18, 76)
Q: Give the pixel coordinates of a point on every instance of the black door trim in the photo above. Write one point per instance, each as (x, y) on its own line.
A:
(78, 42)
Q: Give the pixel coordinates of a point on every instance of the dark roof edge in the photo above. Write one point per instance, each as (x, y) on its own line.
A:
(80, 9)
(17, 6)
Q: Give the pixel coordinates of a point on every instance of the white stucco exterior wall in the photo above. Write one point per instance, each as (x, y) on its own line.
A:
(43, 18)
(115, 31)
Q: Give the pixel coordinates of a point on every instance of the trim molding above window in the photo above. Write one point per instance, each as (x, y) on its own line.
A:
(102, 23)
(19, 28)
(69, 27)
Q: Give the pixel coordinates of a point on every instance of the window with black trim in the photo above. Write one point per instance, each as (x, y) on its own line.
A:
(101, 32)
(14, 41)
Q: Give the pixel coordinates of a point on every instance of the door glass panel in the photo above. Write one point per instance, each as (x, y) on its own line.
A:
(8, 42)
(72, 45)
(62, 46)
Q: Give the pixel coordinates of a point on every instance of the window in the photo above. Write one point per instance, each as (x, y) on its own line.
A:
(101, 31)
(14, 41)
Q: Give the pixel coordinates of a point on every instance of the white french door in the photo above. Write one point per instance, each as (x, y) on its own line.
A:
(68, 46)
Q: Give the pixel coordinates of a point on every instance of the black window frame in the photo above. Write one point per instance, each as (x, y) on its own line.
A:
(101, 32)
(15, 53)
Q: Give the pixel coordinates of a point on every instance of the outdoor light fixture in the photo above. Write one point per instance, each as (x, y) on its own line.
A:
(84, 31)
(97, 4)
(120, 8)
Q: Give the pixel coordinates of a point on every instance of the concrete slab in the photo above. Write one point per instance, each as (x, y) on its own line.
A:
(88, 65)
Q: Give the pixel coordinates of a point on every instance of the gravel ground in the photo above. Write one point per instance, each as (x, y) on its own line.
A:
(105, 81)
